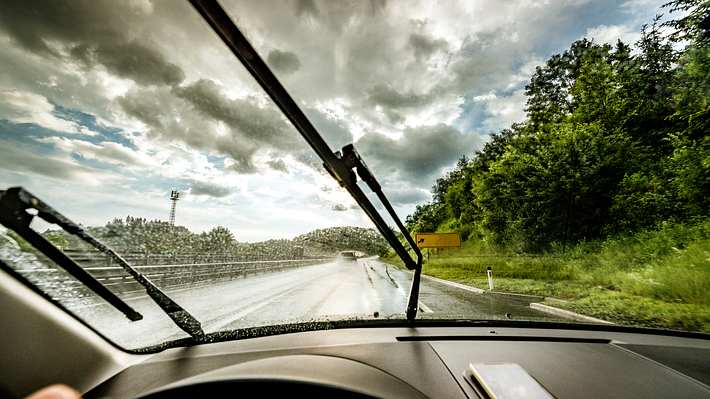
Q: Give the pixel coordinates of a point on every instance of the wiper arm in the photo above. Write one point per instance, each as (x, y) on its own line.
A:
(352, 160)
(15, 203)
(339, 164)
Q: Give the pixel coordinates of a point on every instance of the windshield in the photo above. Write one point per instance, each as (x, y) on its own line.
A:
(552, 159)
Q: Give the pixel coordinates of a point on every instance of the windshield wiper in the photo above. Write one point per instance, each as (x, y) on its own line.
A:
(16, 204)
(342, 165)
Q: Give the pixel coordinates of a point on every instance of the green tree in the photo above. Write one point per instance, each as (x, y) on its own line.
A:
(557, 186)
(691, 92)
(218, 240)
(548, 92)
(616, 140)
(426, 217)
(694, 25)
(595, 91)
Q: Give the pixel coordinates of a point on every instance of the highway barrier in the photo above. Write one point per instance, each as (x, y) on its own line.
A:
(156, 267)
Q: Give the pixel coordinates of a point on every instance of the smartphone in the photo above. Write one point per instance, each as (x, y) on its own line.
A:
(505, 381)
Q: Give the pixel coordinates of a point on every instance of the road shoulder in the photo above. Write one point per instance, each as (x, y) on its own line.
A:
(551, 310)
(568, 314)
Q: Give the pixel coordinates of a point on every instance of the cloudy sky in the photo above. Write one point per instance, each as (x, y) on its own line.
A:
(107, 105)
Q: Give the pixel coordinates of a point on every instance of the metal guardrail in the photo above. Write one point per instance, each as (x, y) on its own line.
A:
(87, 258)
(61, 286)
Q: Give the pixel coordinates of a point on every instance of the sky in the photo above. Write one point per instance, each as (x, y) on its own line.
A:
(106, 106)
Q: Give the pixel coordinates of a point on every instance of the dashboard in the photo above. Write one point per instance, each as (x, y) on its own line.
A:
(423, 362)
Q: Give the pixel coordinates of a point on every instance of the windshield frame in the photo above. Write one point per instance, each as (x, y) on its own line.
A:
(344, 174)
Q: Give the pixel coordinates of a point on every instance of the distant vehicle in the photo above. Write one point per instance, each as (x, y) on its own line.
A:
(348, 255)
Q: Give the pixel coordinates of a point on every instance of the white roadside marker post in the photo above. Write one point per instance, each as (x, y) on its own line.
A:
(489, 272)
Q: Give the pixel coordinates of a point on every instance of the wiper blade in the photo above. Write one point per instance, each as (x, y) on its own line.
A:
(15, 202)
(341, 165)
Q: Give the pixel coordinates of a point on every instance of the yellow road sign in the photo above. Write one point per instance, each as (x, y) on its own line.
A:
(437, 240)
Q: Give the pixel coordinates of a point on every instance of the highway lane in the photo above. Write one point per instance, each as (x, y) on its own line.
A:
(366, 288)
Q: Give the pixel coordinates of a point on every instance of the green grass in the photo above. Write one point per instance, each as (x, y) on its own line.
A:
(657, 278)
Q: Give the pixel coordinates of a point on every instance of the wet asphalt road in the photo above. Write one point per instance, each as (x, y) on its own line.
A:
(326, 291)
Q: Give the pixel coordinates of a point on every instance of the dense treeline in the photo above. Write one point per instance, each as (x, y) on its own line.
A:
(342, 238)
(615, 140)
(135, 234)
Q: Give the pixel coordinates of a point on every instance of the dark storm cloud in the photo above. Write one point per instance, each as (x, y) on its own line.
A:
(334, 15)
(393, 102)
(209, 189)
(309, 8)
(251, 127)
(33, 24)
(192, 113)
(135, 61)
(39, 165)
(310, 159)
(418, 155)
(108, 152)
(306, 7)
(92, 32)
(485, 61)
(170, 118)
(142, 106)
(388, 97)
(333, 130)
(256, 124)
(285, 62)
(278, 164)
(21, 158)
(378, 6)
(425, 46)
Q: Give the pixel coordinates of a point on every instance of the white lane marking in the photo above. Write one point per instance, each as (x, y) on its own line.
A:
(424, 308)
(453, 284)
(384, 275)
(566, 313)
(398, 287)
(367, 272)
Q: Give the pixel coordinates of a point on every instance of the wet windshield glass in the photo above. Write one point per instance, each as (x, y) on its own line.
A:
(562, 145)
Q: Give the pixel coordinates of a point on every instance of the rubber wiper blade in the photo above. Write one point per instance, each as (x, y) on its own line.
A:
(341, 165)
(16, 203)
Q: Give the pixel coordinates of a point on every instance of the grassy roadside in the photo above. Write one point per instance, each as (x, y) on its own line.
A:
(658, 278)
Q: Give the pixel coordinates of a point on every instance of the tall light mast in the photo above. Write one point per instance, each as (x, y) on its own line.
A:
(174, 197)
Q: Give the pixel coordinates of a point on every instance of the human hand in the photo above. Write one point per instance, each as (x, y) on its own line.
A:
(56, 391)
